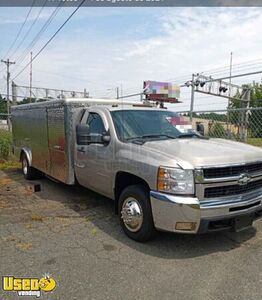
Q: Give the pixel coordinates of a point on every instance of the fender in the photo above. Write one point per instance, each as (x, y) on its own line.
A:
(28, 153)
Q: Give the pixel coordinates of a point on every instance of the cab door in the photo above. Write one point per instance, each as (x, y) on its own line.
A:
(93, 165)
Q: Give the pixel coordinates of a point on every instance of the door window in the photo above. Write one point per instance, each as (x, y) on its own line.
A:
(95, 123)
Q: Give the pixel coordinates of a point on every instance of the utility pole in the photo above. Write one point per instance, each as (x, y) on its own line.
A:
(14, 92)
(243, 122)
(229, 92)
(121, 90)
(117, 93)
(86, 94)
(31, 76)
(230, 77)
(8, 63)
(192, 97)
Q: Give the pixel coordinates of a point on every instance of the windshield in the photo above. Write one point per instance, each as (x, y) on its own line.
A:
(145, 124)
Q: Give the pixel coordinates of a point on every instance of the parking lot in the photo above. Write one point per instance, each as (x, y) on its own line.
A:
(73, 234)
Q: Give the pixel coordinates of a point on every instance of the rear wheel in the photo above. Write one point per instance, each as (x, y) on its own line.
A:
(29, 172)
(135, 213)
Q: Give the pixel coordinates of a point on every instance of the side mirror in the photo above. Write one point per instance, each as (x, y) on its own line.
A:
(82, 134)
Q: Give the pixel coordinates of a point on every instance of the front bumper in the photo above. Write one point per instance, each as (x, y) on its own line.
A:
(212, 215)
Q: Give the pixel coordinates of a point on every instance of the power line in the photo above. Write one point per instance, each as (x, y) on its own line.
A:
(28, 31)
(234, 76)
(29, 48)
(20, 30)
(235, 65)
(25, 35)
(52, 37)
(224, 69)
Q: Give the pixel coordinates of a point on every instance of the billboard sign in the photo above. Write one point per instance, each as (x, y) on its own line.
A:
(161, 91)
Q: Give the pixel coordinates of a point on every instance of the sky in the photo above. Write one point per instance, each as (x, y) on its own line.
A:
(103, 48)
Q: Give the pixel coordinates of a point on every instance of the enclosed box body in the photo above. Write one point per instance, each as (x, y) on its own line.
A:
(45, 131)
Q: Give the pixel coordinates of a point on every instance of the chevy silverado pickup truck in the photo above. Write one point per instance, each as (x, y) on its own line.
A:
(159, 177)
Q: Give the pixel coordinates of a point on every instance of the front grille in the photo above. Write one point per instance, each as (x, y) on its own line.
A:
(232, 190)
(232, 170)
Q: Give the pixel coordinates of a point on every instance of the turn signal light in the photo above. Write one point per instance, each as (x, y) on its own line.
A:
(186, 226)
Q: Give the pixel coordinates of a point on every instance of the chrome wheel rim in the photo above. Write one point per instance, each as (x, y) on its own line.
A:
(132, 214)
(25, 167)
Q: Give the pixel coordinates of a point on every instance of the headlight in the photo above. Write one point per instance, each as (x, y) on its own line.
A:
(175, 181)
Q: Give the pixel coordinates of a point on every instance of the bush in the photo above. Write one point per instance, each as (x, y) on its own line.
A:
(5, 144)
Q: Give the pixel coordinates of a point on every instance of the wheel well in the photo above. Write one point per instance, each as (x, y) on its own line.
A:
(123, 180)
(21, 154)
(25, 152)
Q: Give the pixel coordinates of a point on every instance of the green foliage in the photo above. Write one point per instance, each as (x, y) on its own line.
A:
(9, 164)
(3, 108)
(255, 97)
(217, 130)
(254, 120)
(26, 101)
(255, 142)
(5, 144)
(212, 116)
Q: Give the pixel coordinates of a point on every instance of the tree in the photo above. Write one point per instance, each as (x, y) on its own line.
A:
(3, 106)
(254, 123)
(25, 101)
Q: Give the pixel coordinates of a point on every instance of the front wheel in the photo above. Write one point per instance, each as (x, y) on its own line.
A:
(135, 213)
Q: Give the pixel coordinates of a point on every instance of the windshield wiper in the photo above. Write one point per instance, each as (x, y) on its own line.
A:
(191, 134)
(143, 138)
(158, 135)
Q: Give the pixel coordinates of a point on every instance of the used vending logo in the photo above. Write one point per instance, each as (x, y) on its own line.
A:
(28, 286)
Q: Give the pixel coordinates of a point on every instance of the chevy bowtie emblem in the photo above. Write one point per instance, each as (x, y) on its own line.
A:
(244, 179)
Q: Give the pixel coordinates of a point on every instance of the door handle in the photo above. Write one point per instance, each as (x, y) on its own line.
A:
(81, 149)
(57, 147)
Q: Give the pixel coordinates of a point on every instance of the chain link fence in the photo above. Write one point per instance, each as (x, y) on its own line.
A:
(243, 125)
(3, 121)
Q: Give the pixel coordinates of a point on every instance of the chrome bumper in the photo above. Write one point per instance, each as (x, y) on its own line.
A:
(168, 210)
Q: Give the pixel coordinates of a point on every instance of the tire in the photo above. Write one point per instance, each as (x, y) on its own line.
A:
(140, 225)
(29, 173)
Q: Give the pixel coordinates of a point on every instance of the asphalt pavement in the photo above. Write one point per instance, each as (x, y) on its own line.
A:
(73, 235)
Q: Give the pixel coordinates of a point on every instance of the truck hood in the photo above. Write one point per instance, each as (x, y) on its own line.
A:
(194, 152)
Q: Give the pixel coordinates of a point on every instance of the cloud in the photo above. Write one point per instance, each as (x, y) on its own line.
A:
(166, 44)
(9, 16)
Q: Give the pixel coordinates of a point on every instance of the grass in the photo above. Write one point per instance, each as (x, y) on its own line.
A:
(7, 160)
(255, 141)
(10, 164)
(5, 144)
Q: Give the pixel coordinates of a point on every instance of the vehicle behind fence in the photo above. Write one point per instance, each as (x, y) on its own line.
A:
(243, 125)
